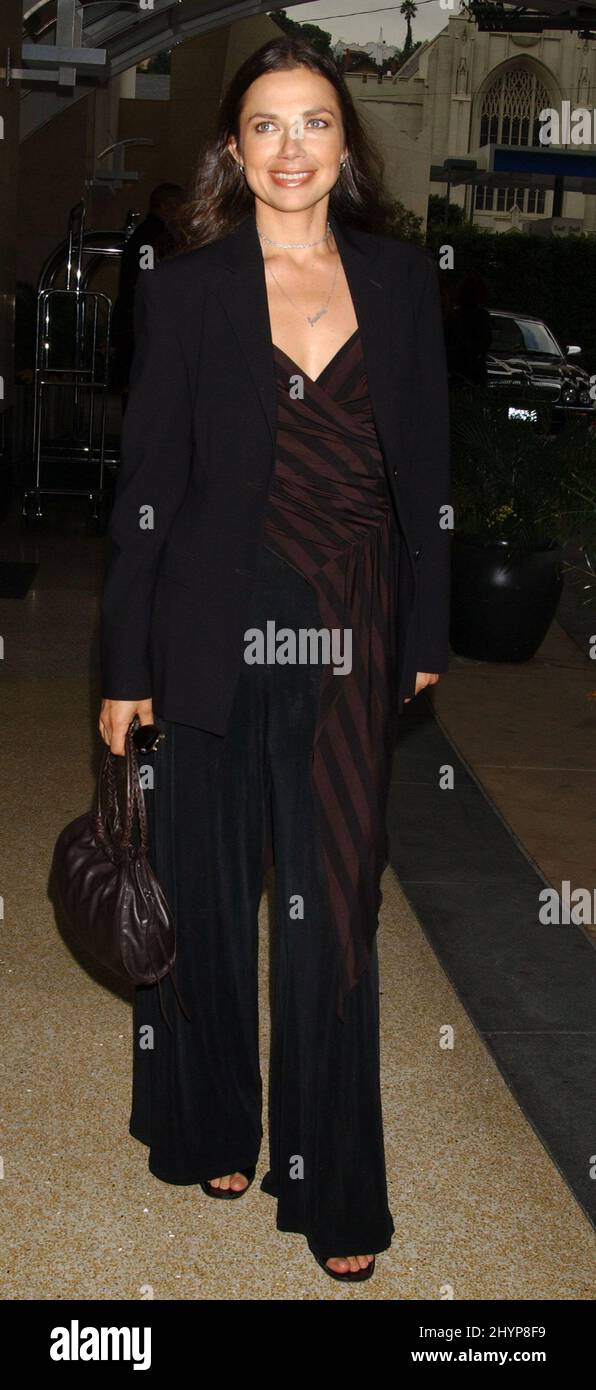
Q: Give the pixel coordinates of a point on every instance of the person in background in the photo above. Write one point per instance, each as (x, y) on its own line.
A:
(468, 332)
(156, 230)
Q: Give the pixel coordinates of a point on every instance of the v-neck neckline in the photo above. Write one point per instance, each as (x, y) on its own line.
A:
(315, 380)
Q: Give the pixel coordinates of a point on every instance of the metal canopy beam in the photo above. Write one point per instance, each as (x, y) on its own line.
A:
(91, 59)
(508, 180)
(102, 40)
(130, 34)
(492, 16)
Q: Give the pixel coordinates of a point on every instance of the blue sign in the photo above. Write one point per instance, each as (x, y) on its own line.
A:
(524, 160)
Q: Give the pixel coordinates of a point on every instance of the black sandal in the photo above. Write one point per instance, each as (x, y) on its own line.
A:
(351, 1276)
(228, 1192)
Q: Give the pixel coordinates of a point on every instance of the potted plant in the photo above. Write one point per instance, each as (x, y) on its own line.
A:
(581, 496)
(521, 498)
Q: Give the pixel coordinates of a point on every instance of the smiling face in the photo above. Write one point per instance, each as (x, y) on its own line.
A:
(291, 138)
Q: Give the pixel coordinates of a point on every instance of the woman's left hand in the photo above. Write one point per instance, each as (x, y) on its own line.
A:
(423, 678)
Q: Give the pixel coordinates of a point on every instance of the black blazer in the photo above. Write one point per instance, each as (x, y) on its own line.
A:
(198, 450)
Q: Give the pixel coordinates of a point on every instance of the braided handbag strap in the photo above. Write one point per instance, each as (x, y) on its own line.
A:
(121, 827)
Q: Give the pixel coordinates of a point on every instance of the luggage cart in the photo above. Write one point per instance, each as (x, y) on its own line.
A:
(71, 376)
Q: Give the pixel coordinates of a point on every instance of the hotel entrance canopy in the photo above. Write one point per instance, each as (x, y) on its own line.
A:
(521, 166)
(493, 17)
(66, 41)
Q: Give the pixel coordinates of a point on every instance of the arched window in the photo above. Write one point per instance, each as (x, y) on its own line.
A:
(509, 116)
(511, 107)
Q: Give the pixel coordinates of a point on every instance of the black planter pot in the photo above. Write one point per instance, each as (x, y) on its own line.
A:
(502, 608)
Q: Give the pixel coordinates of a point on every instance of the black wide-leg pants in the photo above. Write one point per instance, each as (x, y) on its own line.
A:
(197, 1091)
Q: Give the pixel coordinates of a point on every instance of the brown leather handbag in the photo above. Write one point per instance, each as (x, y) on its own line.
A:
(106, 887)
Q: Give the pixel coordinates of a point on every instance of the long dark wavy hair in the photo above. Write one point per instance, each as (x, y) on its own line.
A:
(220, 197)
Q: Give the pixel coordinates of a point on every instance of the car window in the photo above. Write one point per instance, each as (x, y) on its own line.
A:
(523, 335)
(506, 336)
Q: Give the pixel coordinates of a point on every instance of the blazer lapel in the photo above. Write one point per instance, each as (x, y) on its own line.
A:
(376, 295)
(380, 296)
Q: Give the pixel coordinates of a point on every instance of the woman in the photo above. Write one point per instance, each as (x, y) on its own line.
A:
(276, 590)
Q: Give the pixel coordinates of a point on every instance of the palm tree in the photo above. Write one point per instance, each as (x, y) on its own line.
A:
(409, 10)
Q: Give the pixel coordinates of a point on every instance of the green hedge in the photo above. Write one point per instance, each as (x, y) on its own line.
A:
(553, 278)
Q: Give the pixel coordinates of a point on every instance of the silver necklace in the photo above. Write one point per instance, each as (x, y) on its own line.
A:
(296, 245)
(311, 319)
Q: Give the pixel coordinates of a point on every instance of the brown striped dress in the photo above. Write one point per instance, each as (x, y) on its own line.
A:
(329, 514)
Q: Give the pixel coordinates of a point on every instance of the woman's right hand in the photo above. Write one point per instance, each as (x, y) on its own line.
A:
(115, 717)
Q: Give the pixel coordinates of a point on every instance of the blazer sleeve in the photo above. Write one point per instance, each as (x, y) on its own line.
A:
(430, 479)
(156, 451)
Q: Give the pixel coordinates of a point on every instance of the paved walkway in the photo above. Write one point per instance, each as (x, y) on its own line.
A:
(482, 1208)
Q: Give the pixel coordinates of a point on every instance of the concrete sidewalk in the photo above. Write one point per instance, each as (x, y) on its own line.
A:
(528, 732)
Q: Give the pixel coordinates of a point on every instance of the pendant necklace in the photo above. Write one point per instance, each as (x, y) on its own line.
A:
(312, 319)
